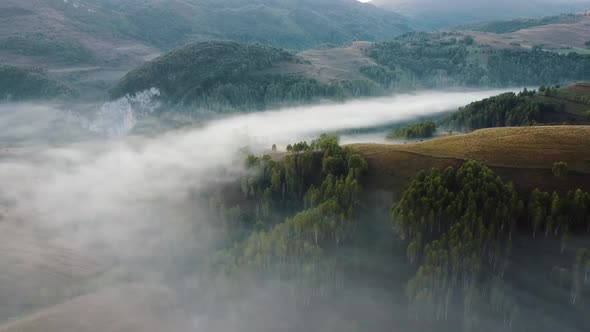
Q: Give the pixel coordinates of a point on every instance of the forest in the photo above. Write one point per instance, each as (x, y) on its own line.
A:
(418, 130)
(549, 106)
(504, 110)
(450, 58)
(229, 76)
(300, 210)
(18, 84)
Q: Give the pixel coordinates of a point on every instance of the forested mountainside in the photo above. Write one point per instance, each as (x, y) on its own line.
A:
(306, 216)
(520, 23)
(257, 77)
(18, 84)
(455, 59)
(293, 24)
(549, 105)
(229, 76)
(122, 31)
(93, 43)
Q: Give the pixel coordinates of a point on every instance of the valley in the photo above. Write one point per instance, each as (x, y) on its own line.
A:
(294, 165)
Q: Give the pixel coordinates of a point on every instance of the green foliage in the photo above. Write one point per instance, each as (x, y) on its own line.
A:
(423, 59)
(458, 224)
(507, 109)
(224, 76)
(440, 59)
(419, 130)
(560, 169)
(43, 45)
(558, 214)
(316, 186)
(293, 24)
(18, 83)
(521, 23)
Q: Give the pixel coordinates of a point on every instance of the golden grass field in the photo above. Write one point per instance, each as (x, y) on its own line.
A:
(524, 155)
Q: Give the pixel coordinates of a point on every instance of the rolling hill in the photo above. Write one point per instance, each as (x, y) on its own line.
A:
(229, 76)
(569, 105)
(563, 33)
(229, 81)
(18, 83)
(110, 33)
(523, 155)
(93, 43)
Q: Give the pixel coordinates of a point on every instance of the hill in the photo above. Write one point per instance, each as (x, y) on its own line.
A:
(187, 77)
(523, 155)
(226, 76)
(127, 32)
(93, 43)
(18, 83)
(551, 105)
(457, 59)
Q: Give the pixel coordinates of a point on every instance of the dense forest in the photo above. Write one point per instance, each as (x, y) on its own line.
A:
(18, 83)
(293, 24)
(229, 76)
(459, 224)
(38, 44)
(448, 58)
(300, 210)
(550, 105)
(508, 109)
(223, 76)
(418, 130)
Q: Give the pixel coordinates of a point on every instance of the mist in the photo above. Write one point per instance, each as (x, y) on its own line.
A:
(126, 216)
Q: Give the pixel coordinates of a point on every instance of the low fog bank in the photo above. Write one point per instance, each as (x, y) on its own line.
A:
(132, 209)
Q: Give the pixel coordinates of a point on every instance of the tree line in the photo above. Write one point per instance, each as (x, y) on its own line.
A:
(418, 130)
(450, 58)
(458, 226)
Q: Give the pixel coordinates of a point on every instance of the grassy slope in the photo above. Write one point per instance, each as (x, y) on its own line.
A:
(523, 155)
(566, 37)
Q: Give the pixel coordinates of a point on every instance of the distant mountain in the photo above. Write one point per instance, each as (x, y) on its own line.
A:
(93, 43)
(443, 14)
(292, 24)
(229, 76)
(128, 31)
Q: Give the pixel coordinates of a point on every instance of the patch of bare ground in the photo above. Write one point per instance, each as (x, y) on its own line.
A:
(523, 155)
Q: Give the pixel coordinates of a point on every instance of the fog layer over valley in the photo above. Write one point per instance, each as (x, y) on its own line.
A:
(125, 222)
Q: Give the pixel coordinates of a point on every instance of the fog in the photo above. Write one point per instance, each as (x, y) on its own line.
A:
(89, 216)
